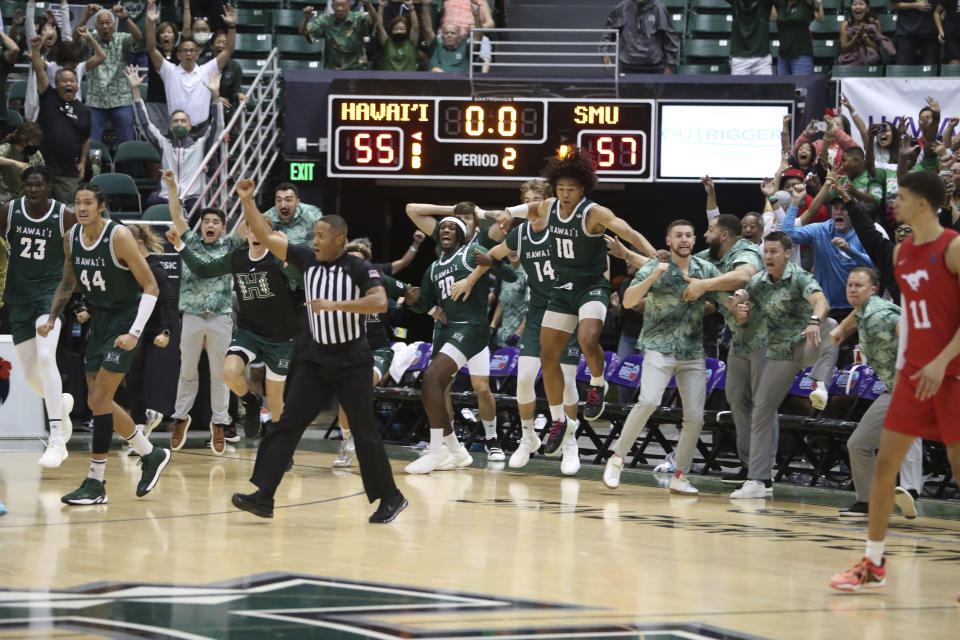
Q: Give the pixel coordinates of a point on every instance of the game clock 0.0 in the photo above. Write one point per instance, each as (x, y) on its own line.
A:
(457, 138)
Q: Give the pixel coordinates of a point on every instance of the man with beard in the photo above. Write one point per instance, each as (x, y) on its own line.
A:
(672, 341)
(738, 260)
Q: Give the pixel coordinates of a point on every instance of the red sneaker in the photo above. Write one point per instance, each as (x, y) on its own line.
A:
(863, 574)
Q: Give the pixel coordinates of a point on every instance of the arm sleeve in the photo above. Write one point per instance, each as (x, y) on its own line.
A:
(804, 235)
(153, 135)
(205, 268)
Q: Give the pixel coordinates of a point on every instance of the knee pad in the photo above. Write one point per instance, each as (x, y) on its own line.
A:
(570, 394)
(102, 433)
(527, 368)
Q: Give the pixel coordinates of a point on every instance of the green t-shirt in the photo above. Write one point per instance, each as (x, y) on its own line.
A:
(457, 59)
(343, 40)
(750, 36)
(793, 28)
(399, 58)
(671, 324)
(781, 308)
(864, 184)
(877, 325)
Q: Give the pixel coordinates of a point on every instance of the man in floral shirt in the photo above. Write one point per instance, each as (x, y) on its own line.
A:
(343, 33)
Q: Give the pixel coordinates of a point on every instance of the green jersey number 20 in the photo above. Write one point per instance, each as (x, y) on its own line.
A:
(445, 285)
(96, 281)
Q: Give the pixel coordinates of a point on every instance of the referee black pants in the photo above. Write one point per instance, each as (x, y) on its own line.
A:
(344, 371)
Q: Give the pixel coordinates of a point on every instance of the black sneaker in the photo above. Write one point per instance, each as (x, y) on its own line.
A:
(856, 510)
(90, 492)
(557, 434)
(253, 503)
(735, 478)
(593, 407)
(389, 508)
(251, 420)
(230, 435)
(151, 465)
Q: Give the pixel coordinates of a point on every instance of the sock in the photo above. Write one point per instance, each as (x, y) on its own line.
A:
(556, 412)
(874, 551)
(526, 426)
(56, 432)
(452, 443)
(249, 398)
(489, 428)
(436, 438)
(97, 467)
(596, 381)
(140, 443)
(347, 434)
(677, 473)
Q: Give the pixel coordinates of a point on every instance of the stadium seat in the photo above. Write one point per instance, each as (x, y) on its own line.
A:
(880, 7)
(287, 20)
(18, 91)
(254, 44)
(888, 24)
(157, 213)
(825, 51)
(14, 119)
(675, 5)
(251, 66)
(950, 70)
(710, 6)
(710, 25)
(909, 70)
(821, 69)
(254, 20)
(679, 21)
(707, 69)
(831, 7)
(829, 29)
(296, 46)
(296, 65)
(700, 50)
(106, 160)
(856, 71)
(272, 4)
(141, 152)
(123, 197)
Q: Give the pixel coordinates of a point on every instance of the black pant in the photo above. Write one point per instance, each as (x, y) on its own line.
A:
(344, 371)
(907, 47)
(136, 378)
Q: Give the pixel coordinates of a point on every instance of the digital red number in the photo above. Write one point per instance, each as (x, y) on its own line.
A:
(361, 142)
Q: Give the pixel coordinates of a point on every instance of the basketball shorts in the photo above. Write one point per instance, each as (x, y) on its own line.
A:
(567, 300)
(23, 317)
(462, 340)
(382, 358)
(931, 419)
(253, 348)
(530, 340)
(106, 325)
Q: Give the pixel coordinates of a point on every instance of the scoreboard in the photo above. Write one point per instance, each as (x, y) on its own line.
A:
(448, 138)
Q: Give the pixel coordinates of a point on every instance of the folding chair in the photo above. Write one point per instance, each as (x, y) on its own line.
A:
(626, 374)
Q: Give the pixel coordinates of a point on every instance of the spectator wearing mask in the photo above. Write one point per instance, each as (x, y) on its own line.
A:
(836, 248)
(185, 83)
(20, 150)
(793, 18)
(916, 33)
(167, 36)
(65, 122)
(946, 18)
(861, 37)
(107, 96)
(342, 32)
(210, 11)
(648, 41)
(750, 38)
(181, 152)
(399, 39)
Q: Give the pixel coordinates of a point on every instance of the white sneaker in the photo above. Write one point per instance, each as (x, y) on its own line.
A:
(908, 506)
(570, 463)
(429, 461)
(680, 484)
(752, 489)
(153, 419)
(539, 423)
(54, 455)
(529, 444)
(611, 474)
(818, 397)
(66, 424)
(461, 458)
(347, 453)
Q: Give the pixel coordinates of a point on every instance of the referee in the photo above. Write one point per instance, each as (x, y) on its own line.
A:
(341, 289)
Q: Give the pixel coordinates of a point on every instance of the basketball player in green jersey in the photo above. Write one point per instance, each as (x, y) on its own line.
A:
(465, 333)
(34, 227)
(103, 259)
(581, 291)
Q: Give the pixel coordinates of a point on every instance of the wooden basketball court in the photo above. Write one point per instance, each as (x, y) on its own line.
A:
(479, 552)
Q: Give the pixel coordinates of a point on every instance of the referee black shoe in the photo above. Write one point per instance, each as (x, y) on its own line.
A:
(253, 503)
(389, 509)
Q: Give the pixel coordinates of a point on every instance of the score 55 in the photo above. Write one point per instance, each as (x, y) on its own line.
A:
(369, 148)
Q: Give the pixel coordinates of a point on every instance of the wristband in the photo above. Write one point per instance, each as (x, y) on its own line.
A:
(147, 302)
(773, 199)
(413, 248)
(518, 211)
(814, 320)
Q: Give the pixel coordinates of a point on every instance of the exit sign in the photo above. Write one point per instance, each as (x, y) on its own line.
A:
(301, 171)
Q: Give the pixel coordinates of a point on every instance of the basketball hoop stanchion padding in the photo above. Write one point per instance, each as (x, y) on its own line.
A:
(21, 410)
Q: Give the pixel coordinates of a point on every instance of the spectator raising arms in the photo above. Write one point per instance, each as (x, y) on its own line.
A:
(452, 52)
(20, 150)
(793, 18)
(861, 37)
(947, 20)
(648, 41)
(750, 38)
(916, 33)
(399, 39)
(342, 32)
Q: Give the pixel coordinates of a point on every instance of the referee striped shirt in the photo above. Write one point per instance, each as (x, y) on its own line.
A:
(346, 278)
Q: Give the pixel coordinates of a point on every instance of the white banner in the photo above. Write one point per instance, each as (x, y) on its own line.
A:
(890, 99)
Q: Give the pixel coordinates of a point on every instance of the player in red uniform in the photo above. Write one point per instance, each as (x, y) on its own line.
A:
(927, 381)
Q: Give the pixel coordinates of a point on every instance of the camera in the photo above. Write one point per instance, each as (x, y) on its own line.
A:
(820, 126)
